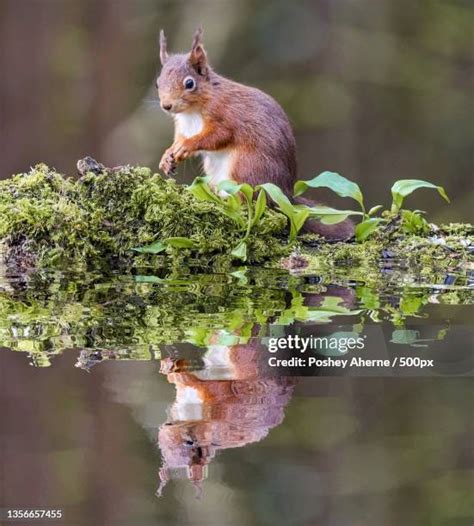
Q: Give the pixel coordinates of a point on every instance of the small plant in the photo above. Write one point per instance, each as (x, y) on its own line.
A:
(335, 182)
(296, 216)
(235, 200)
(254, 209)
(411, 221)
(230, 198)
(246, 205)
(405, 187)
(160, 246)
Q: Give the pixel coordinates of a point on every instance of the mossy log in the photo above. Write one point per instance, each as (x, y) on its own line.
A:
(47, 220)
(94, 221)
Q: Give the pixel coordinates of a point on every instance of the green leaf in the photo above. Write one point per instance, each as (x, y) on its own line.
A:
(231, 206)
(321, 315)
(279, 198)
(405, 336)
(154, 248)
(414, 222)
(300, 218)
(236, 215)
(374, 209)
(320, 211)
(180, 242)
(297, 220)
(234, 203)
(297, 214)
(333, 219)
(331, 216)
(366, 228)
(260, 206)
(247, 190)
(148, 279)
(411, 304)
(201, 190)
(232, 188)
(241, 276)
(405, 187)
(240, 251)
(368, 297)
(335, 182)
(198, 336)
(334, 304)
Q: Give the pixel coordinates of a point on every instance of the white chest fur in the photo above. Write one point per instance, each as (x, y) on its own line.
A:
(188, 123)
(218, 364)
(188, 405)
(217, 164)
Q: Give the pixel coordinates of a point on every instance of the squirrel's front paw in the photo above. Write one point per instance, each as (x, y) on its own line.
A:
(168, 163)
(181, 150)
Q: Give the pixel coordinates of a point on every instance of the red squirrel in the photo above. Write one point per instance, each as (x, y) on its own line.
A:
(228, 402)
(241, 133)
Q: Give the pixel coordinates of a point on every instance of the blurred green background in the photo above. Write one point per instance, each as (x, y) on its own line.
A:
(376, 89)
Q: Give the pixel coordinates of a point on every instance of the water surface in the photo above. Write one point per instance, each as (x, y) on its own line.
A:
(146, 399)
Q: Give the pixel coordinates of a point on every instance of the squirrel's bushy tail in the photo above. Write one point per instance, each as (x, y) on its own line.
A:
(339, 232)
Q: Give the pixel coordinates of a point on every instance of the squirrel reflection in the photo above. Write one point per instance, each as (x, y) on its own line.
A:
(224, 402)
(224, 399)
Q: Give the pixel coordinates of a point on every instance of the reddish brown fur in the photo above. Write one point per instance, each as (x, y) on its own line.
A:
(244, 119)
(236, 411)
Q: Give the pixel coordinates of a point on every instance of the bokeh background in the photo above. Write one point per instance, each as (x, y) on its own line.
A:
(376, 89)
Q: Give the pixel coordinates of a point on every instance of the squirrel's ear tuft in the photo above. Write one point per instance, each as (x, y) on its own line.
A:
(163, 51)
(197, 56)
(197, 39)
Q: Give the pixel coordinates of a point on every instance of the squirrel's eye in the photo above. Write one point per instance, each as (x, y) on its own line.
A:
(189, 83)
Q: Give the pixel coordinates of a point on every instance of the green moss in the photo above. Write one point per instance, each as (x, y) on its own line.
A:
(47, 220)
(457, 229)
(86, 222)
(429, 258)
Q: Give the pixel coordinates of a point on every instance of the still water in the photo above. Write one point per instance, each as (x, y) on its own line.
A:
(147, 399)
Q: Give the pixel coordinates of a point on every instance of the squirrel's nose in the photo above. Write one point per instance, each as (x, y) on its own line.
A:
(166, 107)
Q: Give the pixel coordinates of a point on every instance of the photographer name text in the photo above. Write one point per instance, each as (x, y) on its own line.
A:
(323, 344)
